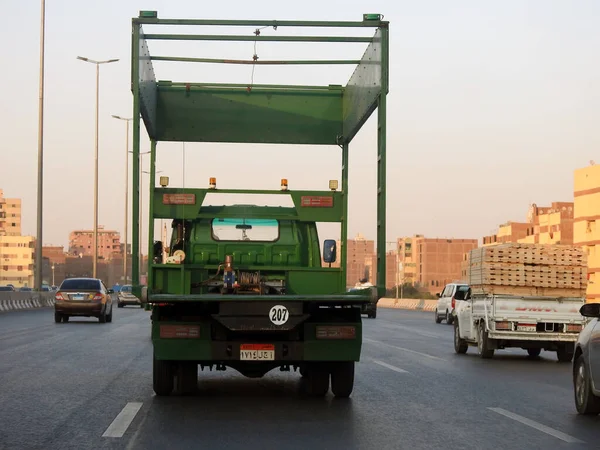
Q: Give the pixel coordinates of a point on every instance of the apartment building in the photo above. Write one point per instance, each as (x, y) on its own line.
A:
(16, 260)
(586, 223)
(545, 225)
(439, 261)
(55, 254)
(10, 216)
(109, 243)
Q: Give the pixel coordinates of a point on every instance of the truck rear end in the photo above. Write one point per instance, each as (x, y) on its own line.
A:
(249, 287)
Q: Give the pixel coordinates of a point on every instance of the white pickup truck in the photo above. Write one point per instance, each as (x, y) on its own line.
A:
(493, 322)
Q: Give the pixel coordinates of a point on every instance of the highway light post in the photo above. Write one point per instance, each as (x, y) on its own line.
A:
(126, 192)
(40, 177)
(53, 283)
(95, 241)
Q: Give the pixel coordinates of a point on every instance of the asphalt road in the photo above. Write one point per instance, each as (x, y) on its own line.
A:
(85, 385)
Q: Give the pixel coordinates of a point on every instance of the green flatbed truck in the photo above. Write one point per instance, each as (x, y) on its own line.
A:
(243, 286)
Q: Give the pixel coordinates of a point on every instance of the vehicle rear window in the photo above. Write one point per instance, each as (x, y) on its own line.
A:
(5, 288)
(84, 285)
(257, 230)
(126, 289)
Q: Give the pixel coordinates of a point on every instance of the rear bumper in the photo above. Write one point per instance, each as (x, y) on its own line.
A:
(205, 349)
(79, 309)
(129, 301)
(544, 337)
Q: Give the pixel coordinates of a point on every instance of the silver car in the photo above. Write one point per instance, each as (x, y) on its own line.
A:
(126, 297)
(586, 363)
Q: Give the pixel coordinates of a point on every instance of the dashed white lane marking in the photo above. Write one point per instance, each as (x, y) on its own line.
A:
(538, 426)
(389, 366)
(404, 349)
(119, 426)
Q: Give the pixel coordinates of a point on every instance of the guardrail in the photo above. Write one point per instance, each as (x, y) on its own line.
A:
(10, 301)
(407, 303)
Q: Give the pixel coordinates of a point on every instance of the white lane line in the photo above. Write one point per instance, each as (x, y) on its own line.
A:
(119, 426)
(389, 366)
(404, 349)
(538, 426)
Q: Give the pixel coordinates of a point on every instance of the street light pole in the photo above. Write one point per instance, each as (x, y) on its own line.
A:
(95, 243)
(53, 283)
(40, 187)
(126, 193)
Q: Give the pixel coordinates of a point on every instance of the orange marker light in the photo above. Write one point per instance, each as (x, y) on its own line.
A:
(284, 184)
(212, 183)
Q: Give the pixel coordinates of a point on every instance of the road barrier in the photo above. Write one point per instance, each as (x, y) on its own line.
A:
(408, 303)
(11, 301)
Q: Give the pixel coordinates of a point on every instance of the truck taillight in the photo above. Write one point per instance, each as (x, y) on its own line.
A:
(97, 297)
(573, 327)
(502, 326)
(336, 332)
(59, 297)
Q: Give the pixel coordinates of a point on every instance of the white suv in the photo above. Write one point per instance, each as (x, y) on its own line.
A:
(446, 302)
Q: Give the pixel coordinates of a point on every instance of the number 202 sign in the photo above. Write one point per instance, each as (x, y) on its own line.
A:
(279, 314)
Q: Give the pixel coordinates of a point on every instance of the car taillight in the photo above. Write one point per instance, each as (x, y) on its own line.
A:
(573, 327)
(97, 297)
(59, 297)
(336, 332)
(453, 302)
(502, 326)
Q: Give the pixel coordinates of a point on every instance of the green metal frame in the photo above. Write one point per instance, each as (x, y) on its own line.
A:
(284, 114)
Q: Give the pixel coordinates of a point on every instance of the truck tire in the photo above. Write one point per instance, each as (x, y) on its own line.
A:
(483, 344)
(564, 353)
(318, 380)
(460, 345)
(162, 377)
(342, 379)
(585, 400)
(438, 319)
(373, 315)
(534, 352)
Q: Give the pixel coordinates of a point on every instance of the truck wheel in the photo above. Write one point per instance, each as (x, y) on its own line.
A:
(438, 319)
(342, 379)
(460, 345)
(187, 377)
(564, 353)
(373, 315)
(585, 400)
(57, 317)
(483, 345)
(534, 352)
(162, 377)
(303, 371)
(318, 380)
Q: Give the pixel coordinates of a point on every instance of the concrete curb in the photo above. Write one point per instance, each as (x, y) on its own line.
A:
(408, 303)
(18, 301)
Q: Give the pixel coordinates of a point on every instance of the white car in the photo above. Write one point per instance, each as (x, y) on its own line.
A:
(126, 297)
(447, 302)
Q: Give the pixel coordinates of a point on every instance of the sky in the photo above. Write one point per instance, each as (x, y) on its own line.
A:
(492, 106)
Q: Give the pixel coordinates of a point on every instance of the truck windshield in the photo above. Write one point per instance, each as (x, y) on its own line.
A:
(257, 230)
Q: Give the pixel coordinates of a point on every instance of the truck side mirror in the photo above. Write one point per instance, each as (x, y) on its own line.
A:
(329, 251)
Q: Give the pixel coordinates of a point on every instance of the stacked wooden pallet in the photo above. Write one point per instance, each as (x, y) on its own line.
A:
(527, 269)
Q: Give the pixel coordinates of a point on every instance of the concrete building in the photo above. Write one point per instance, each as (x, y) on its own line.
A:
(586, 224)
(16, 260)
(438, 261)
(361, 260)
(55, 254)
(109, 243)
(10, 216)
(407, 272)
(545, 225)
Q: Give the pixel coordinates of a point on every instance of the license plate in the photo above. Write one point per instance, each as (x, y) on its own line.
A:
(526, 328)
(257, 352)
(77, 297)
